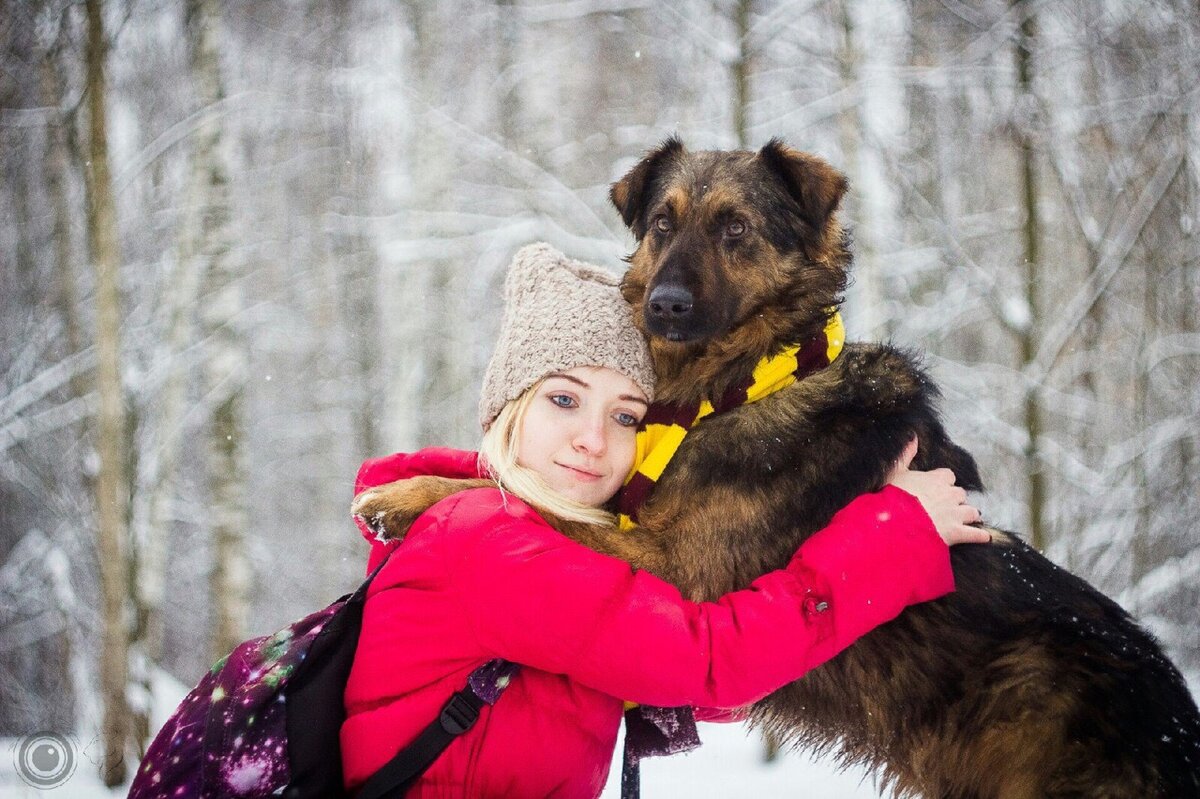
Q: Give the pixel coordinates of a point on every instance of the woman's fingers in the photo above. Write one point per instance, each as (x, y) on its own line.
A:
(943, 500)
(945, 475)
(966, 534)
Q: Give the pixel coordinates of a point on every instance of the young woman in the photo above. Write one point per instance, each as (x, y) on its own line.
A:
(481, 575)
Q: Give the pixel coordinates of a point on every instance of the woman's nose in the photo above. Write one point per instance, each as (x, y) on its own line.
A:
(591, 437)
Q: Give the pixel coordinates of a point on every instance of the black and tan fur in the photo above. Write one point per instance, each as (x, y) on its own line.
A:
(1026, 682)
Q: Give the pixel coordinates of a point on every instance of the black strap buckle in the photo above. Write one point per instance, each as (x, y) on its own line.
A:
(460, 713)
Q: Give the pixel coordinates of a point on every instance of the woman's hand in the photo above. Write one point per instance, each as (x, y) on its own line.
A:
(945, 502)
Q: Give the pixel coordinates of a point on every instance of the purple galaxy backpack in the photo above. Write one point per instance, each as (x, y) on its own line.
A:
(264, 721)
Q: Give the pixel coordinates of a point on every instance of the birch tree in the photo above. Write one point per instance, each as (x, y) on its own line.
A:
(741, 73)
(1028, 333)
(58, 160)
(225, 362)
(40, 640)
(347, 181)
(111, 486)
(154, 509)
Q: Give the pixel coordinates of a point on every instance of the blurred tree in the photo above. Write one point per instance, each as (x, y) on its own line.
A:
(41, 640)
(111, 485)
(741, 71)
(1028, 328)
(226, 359)
(326, 196)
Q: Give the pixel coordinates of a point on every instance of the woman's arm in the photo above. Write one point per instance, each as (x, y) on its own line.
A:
(537, 598)
(440, 461)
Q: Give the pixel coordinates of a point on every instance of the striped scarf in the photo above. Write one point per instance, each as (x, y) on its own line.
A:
(665, 426)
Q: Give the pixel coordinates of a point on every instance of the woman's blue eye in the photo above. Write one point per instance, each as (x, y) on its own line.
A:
(628, 420)
(562, 400)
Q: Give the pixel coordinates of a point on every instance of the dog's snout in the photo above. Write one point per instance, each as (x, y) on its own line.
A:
(671, 302)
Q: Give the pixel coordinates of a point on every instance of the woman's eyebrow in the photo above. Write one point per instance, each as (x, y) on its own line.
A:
(577, 381)
(572, 378)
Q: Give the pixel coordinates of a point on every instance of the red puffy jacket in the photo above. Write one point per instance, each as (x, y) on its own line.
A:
(482, 576)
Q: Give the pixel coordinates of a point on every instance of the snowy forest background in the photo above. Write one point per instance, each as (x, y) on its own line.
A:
(245, 245)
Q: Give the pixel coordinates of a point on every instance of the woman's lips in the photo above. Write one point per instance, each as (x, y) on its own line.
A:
(580, 473)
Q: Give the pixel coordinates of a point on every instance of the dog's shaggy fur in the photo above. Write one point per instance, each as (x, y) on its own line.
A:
(1026, 682)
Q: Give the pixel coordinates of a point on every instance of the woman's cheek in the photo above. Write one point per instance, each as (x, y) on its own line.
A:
(628, 439)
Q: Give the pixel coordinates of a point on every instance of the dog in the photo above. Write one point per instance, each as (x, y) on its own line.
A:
(1026, 682)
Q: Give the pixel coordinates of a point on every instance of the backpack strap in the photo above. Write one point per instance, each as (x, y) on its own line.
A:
(314, 695)
(458, 715)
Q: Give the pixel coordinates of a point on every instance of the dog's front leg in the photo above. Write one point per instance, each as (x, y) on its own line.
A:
(389, 510)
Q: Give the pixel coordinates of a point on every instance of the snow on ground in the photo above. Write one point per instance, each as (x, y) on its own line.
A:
(728, 765)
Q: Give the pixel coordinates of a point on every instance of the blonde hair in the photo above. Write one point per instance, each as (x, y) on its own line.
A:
(498, 457)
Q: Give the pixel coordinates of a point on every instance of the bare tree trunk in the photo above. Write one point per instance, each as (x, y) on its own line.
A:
(111, 492)
(434, 364)
(1028, 335)
(867, 289)
(1189, 279)
(741, 73)
(66, 295)
(1144, 557)
(226, 361)
(509, 44)
(25, 270)
(153, 521)
(358, 287)
(1150, 548)
(66, 301)
(152, 518)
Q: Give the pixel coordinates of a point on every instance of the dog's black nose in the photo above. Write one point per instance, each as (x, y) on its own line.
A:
(671, 302)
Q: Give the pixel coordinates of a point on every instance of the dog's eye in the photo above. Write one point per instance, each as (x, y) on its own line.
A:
(662, 224)
(735, 228)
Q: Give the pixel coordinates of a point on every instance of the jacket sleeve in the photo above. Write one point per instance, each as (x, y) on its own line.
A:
(534, 597)
(437, 461)
(716, 715)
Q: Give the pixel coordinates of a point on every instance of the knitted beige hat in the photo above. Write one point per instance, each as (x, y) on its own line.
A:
(560, 314)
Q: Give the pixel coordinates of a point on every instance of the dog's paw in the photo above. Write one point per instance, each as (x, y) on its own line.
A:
(375, 510)
(390, 510)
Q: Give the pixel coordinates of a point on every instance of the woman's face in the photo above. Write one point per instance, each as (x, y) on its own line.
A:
(578, 433)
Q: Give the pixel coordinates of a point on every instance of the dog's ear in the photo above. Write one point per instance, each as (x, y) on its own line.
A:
(814, 185)
(631, 193)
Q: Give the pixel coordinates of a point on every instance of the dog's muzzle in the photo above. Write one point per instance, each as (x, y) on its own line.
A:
(669, 311)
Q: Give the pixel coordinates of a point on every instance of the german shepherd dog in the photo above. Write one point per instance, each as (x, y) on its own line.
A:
(1024, 683)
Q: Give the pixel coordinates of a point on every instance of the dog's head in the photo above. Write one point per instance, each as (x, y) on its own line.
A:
(732, 243)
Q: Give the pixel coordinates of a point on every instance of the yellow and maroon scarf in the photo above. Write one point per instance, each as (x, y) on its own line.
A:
(665, 426)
